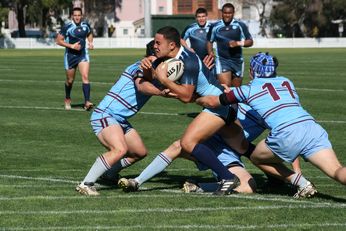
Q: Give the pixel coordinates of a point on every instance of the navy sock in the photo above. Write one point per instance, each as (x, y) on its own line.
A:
(206, 156)
(86, 91)
(68, 89)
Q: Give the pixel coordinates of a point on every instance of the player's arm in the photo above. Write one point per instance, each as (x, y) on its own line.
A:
(183, 42)
(210, 49)
(60, 40)
(212, 101)
(184, 92)
(147, 88)
(90, 39)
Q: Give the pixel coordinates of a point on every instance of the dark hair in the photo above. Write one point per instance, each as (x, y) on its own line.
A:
(150, 49)
(227, 5)
(170, 33)
(201, 11)
(77, 9)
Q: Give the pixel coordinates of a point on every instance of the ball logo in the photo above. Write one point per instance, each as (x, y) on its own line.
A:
(175, 69)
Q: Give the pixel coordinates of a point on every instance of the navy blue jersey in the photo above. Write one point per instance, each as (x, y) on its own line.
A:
(197, 36)
(222, 33)
(76, 33)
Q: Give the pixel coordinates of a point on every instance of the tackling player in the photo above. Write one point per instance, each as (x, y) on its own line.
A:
(73, 36)
(293, 131)
(253, 126)
(109, 123)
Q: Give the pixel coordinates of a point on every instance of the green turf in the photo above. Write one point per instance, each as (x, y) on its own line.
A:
(45, 151)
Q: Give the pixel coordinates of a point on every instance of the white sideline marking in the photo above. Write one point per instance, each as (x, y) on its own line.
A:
(141, 112)
(172, 210)
(39, 178)
(317, 89)
(187, 227)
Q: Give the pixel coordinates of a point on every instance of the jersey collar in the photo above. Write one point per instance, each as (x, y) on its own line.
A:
(179, 52)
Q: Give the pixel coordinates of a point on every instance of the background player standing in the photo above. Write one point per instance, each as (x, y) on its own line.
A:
(73, 36)
(230, 36)
(197, 33)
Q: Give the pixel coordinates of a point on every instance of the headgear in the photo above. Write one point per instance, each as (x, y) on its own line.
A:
(263, 65)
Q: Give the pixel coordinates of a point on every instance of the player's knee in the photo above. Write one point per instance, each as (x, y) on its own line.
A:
(141, 154)
(187, 145)
(118, 151)
(340, 175)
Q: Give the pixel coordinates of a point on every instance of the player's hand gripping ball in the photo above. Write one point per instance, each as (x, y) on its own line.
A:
(175, 69)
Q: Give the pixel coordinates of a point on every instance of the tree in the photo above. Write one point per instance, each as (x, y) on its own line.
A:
(261, 7)
(3, 12)
(36, 12)
(306, 18)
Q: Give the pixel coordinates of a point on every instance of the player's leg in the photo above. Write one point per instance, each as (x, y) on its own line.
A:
(84, 71)
(70, 76)
(234, 136)
(200, 129)
(161, 161)
(273, 165)
(247, 182)
(113, 138)
(136, 152)
(327, 162)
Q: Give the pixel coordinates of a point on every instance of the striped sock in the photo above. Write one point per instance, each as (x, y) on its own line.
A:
(125, 163)
(113, 172)
(160, 162)
(298, 180)
(98, 168)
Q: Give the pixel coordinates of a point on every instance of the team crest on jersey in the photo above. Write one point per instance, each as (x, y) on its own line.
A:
(234, 27)
(84, 28)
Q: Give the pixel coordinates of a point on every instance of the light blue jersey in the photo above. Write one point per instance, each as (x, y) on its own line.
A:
(275, 99)
(293, 130)
(122, 101)
(197, 36)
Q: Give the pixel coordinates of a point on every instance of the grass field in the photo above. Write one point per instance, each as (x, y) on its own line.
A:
(45, 151)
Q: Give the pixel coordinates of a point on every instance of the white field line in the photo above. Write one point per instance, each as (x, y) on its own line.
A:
(109, 83)
(145, 113)
(173, 210)
(183, 227)
(176, 193)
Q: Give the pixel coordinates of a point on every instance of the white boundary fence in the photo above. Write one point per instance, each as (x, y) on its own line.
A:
(33, 43)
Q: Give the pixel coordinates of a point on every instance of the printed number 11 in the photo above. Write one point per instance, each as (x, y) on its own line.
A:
(272, 91)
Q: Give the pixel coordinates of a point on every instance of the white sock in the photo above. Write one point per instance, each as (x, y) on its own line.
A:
(160, 162)
(98, 168)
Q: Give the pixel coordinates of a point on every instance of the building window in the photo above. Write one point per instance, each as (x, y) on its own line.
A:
(126, 31)
(185, 6)
(207, 4)
(161, 9)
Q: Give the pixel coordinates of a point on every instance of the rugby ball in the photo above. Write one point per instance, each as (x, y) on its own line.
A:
(175, 69)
